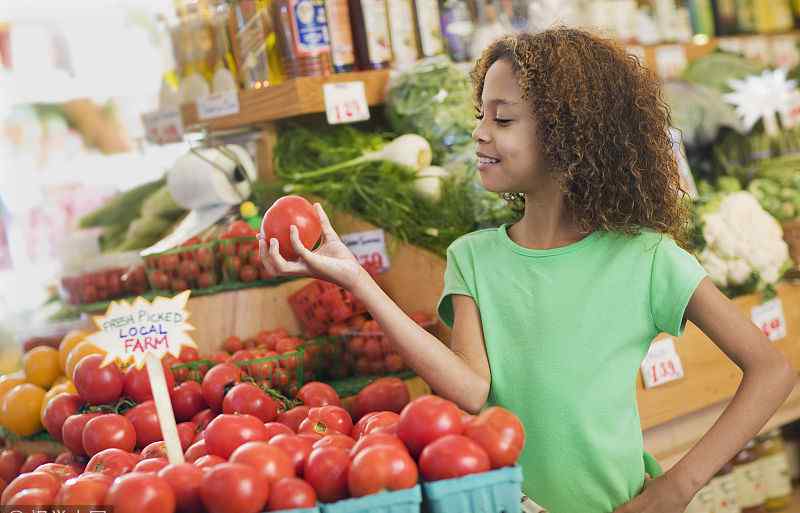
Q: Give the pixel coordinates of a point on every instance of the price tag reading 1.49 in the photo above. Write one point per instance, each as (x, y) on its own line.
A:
(369, 248)
(345, 102)
(770, 319)
(662, 363)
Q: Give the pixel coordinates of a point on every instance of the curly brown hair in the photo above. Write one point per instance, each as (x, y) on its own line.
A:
(602, 126)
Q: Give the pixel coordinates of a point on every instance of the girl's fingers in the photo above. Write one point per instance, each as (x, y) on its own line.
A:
(305, 254)
(281, 265)
(327, 229)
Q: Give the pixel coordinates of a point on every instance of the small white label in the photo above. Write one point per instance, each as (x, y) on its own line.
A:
(662, 363)
(770, 319)
(163, 126)
(730, 44)
(369, 248)
(218, 104)
(345, 102)
(670, 60)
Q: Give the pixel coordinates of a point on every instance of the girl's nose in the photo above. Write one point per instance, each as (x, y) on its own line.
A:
(480, 134)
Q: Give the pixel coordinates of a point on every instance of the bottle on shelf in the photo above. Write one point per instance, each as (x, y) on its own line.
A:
(772, 16)
(726, 22)
(745, 16)
(749, 480)
(457, 27)
(429, 29)
(701, 14)
(303, 37)
(342, 52)
(402, 33)
(370, 25)
(775, 469)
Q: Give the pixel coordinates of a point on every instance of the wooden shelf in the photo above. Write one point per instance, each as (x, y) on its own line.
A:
(292, 98)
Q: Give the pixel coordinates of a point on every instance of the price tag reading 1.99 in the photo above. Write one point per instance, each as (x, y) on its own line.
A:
(345, 102)
(662, 364)
(369, 248)
(770, 319)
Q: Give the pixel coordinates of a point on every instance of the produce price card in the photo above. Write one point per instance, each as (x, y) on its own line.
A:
(770, 319)
(218, 105)
(662, 363)
(163, 126)
(369, 248)
(345, 102)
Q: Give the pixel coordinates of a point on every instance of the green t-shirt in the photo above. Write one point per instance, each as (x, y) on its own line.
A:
(566, 330)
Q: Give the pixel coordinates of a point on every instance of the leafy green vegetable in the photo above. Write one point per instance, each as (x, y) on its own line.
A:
(123, 208)
(717, 68)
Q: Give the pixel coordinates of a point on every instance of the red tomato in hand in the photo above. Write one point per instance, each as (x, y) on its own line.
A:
(276, 428)
(112, 462)
(381, 468)
(151, 465)
(336, 440)
(500, 433)
(216, 380)
(294, 417)
(30, 480)
(108, 431)
(57, 411)
(291, 493)
(246, 398)
(96, 384)
(371, 422)
(234, 488)
(144, 419)
(185, 480)
(316, 394)
(137, 383)
(327, 420)
(34, 461)
(11, 461)
(426, 419)
(384, 394)
(83, 492)
(452, 456)
(374, 439)
(72, 432)
(288, 211)
(297, 447)
(326, 471)
(137, 492)
(227, 432)
(187, 400)
(270, 461)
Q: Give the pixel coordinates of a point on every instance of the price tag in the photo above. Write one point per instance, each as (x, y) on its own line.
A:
(770, 319)
(218, 105)
(163, 126)
(662, 363)
(345, 102)
(369, 247)
(670, 60)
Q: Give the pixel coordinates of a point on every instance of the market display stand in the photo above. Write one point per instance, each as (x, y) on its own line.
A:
(674, 416)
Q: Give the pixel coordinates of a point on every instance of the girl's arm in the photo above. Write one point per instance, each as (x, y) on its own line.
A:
(768, 379)
(459, 373)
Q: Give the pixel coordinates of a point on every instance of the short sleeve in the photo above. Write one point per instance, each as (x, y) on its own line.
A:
(458, 266)
(674, 277)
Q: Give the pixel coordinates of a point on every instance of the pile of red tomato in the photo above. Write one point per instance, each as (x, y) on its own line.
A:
(243, 453)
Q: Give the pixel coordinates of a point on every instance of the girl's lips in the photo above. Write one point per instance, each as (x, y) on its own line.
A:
(485, 163)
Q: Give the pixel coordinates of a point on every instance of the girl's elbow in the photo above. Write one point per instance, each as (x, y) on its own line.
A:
(477, 399)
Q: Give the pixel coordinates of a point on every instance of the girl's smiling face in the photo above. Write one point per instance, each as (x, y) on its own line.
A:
(508, 156)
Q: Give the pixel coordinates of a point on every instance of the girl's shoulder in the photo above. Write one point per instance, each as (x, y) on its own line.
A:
(474, 240)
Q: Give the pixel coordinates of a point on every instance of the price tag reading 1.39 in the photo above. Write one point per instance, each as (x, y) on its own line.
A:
(662, 363)
(770, 319)
(346, 102)
(369, 248)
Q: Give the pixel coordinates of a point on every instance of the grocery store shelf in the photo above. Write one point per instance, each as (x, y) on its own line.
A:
(292, 98)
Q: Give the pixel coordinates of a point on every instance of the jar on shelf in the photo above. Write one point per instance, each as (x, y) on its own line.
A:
(775, 469)
(747, 472)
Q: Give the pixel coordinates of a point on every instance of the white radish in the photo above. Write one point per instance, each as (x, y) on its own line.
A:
(429, 182)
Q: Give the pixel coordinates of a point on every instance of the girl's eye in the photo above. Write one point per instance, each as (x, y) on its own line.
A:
(503, 122)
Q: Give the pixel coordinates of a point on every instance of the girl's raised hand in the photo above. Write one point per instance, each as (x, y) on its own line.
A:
(331, 261)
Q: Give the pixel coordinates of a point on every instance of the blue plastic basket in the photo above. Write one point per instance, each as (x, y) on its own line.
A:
(497, 491)
(402, 501)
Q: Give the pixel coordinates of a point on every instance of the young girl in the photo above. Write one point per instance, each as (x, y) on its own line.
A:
(552, 316)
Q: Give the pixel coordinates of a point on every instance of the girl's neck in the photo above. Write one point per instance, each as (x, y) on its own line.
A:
(546, 222)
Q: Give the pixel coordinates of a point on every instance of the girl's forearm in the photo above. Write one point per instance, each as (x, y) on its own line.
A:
(760, 394)
(446, 373)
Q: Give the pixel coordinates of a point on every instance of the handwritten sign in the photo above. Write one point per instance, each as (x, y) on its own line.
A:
(369, 248)
(662, 363)
(218, 105)
(163, 126)
(129, 331)
(345, 102)
(770, 319)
